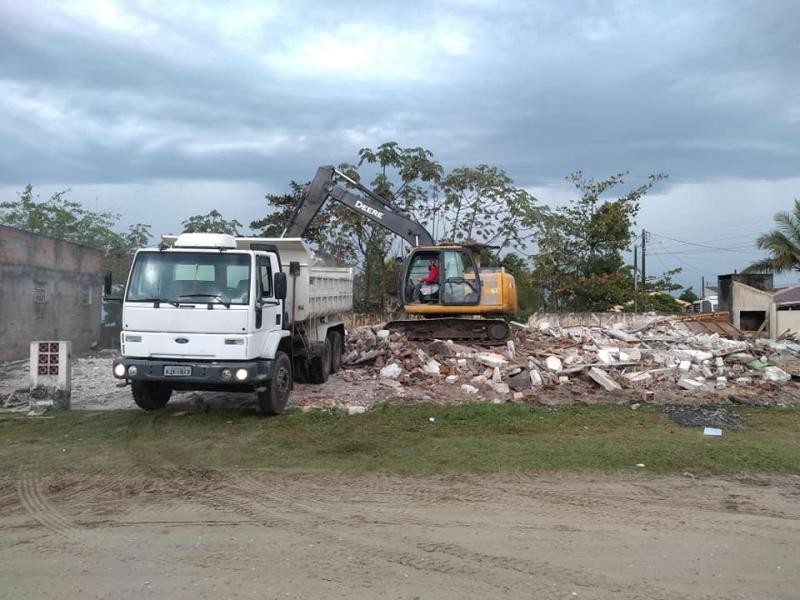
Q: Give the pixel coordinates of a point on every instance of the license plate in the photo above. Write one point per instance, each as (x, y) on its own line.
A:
(175, 371)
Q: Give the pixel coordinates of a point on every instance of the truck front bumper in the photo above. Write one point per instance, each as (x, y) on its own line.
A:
(194, 374)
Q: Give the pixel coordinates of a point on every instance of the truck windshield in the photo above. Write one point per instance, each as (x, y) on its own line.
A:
(198, 277)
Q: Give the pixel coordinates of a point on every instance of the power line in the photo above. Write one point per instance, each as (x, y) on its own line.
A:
(666, 237)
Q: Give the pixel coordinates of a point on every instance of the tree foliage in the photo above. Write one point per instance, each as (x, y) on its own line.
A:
(213, 222)
(782, 244)
(688, 295)
(62, 218)
(580, 263)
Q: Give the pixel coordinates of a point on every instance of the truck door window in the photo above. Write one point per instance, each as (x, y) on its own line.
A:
(264, 277)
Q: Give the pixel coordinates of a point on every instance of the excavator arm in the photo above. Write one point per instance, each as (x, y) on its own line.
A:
(367, 203)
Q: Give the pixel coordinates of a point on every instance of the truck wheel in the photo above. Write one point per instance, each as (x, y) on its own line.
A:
(320, 366)
(336, 350)
(149, 395)
(273, 400)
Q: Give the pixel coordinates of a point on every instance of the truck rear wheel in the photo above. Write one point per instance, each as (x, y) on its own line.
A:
(273, 400)
(150, 395)
(336, 350)
(320, 366)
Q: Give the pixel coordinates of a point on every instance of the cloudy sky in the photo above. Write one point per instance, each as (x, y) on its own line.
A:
(160, 110)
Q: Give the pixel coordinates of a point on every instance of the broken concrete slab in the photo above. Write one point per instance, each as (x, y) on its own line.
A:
(603, 379)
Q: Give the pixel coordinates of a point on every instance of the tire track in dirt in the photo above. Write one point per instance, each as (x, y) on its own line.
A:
(447, 558)
(39, 507)
(641, 505)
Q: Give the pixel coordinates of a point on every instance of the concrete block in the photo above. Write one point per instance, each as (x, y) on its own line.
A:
(500, 387)
(391, 371)
(497, 377)
(491, 359)
(451, 379)
(469, 389)
(356, 410)
(604, 356)
(510, 349)
(563, 379)
(536, 378)
(553, 363)
(603, 379)
(50, 374)
(691, 384)
(685, 365)
(431, 367)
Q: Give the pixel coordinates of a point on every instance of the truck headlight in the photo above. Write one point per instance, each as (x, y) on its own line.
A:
(132, 370)
(119, 370)
(241, 374)
(226, 374)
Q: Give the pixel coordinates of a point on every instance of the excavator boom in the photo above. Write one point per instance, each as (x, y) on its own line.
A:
(369, 204)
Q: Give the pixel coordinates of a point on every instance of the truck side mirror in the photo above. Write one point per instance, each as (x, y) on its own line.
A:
(107, 283)
(279, 284)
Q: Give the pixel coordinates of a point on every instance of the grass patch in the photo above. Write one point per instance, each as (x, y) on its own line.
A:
(401, 440)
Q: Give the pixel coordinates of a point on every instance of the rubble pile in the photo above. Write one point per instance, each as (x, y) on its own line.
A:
(663, 361)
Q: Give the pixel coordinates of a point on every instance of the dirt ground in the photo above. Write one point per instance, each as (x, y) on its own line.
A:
(254, 534)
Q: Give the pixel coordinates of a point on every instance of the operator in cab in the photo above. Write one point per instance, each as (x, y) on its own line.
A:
(428, 285)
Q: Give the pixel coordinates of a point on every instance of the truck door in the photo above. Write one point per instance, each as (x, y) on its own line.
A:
(460, 280)
(268, 309)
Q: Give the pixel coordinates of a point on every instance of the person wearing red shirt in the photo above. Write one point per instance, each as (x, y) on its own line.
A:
(432, 278)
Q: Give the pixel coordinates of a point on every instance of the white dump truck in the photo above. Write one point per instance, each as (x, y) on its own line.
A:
(210, 311)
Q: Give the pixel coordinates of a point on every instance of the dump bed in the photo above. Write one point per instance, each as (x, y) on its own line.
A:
(319, 290)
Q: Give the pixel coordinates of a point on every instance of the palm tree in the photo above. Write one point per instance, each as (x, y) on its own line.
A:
(782, 243)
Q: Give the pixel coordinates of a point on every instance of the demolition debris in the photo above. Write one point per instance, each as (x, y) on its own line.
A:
(666, 360)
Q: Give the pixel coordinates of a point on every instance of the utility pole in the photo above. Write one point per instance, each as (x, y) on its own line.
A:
(635, 278)
(644, 270)
(702, 287)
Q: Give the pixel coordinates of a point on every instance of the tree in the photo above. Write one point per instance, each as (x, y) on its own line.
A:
(688, 295)
(579, 262)
(213, 222)
(404, 178)
(782, 243)
(482, 204)
(64, 219)
(325, 232)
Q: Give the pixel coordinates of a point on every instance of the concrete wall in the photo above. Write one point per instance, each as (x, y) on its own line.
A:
(49, 289)
(592, 319)
(782, 321)
(745, 297)
(761, 281)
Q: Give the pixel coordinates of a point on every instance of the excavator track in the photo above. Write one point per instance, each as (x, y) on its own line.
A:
(489, 332)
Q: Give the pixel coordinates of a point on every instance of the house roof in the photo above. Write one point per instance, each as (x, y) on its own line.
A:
(787, 296)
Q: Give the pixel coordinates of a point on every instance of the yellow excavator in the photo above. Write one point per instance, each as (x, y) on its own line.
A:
(460, 287)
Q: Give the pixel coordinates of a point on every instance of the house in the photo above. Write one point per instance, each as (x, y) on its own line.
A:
(773, 311)
(49, 290)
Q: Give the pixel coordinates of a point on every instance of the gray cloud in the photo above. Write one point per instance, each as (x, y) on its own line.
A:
(102, 94)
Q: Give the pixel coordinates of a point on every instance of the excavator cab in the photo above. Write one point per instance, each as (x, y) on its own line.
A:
(457, 283)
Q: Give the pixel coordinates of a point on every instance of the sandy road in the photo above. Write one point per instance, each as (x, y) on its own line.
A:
(254, 534)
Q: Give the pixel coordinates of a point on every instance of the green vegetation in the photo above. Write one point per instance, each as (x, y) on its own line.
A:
(782, 243)
(400, 439)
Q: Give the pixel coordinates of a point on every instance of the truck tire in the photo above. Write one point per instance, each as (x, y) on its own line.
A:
(336, 350)
(149, 395)
(320, 366)
(273, 400)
